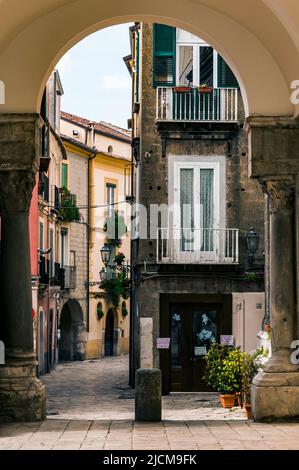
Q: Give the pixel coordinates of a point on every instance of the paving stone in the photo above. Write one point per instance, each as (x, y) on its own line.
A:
(91, 407)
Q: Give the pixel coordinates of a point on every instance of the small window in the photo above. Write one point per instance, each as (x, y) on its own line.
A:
(41, 236)
(111, 190)
(110, 149)
(75, 133)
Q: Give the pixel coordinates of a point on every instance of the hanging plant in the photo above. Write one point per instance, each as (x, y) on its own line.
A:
(119, 258)
(115, 289)
(68, 206)
(100, 313)
(124, 311)
(254, 278)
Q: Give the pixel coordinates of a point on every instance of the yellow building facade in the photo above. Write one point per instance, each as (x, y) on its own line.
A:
(104, 152)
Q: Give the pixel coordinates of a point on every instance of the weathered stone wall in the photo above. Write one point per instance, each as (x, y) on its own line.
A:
(244, 197)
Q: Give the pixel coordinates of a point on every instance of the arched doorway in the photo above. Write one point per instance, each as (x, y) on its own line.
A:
(66, 339)
(72, 332)
(109, 334)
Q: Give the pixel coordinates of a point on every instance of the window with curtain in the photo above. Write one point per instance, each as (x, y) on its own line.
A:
(197, 209)
(186, 65)
(206, 208)
(187, 208)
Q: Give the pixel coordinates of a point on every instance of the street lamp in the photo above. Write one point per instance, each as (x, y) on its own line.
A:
(105, 254)
(252, 241)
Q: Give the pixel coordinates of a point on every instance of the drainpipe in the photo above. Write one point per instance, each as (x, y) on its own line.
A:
(88, 239)
(132, 286)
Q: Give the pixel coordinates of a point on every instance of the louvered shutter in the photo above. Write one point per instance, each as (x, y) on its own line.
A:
(226, 78)
(164, 38)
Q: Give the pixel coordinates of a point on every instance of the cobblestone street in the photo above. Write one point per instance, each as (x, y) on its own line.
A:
(90, 406)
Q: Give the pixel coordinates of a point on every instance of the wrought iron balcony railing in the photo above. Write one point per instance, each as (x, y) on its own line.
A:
(53, 274)
(198, 246)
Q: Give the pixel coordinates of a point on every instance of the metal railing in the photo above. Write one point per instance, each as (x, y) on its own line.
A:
(68, 277)
(43, 187)
(53, 274)
(221, 105)
(198, 246)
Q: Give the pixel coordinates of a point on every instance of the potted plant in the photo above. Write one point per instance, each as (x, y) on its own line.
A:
(119, 258)
(204, 88)
(224, 372)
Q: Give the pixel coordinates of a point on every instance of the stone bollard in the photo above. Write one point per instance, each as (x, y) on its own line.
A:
(148, 393)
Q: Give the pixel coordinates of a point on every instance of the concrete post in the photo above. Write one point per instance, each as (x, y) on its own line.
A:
(22, 395)
(148, 395)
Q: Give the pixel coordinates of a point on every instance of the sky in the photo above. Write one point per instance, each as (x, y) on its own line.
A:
(96, 82)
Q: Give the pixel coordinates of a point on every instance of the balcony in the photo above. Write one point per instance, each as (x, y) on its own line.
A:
(221, 105)
(43, 187)
(68, 277)
(52, 274)
(54, 199)
(198, 246)
(67, 205)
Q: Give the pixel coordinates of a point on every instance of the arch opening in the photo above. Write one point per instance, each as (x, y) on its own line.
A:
(72, 332)
(224, 29)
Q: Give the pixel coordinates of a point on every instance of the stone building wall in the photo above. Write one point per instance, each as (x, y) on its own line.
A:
(244, 204)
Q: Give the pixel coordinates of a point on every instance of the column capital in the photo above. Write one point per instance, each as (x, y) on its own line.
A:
(16, 191)
(281, 192)
(273, 145)
(20, 142)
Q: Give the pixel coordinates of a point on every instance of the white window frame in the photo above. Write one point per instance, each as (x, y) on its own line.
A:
(196, 167)
(196, 63)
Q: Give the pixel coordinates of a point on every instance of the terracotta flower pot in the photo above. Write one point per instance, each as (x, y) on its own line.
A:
(182, 89)
(206, 89)
(247, 407)
(228, 400)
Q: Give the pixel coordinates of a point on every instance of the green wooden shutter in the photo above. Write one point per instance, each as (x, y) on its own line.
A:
(226, 78)
(64, 175)
(164, 55)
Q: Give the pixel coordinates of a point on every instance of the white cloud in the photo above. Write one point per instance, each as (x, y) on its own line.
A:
(116, 82)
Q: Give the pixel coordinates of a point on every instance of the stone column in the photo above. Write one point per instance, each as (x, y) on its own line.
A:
(282, 262)
(22, 395)
(274, 161)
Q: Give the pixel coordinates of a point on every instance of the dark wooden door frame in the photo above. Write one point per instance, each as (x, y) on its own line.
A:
(165, 301)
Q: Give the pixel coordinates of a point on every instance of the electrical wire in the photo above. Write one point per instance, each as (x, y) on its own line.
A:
(96, 206)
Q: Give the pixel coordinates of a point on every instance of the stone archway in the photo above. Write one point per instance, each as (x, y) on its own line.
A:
(73, 332)
(109, 334)
(265, 73)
